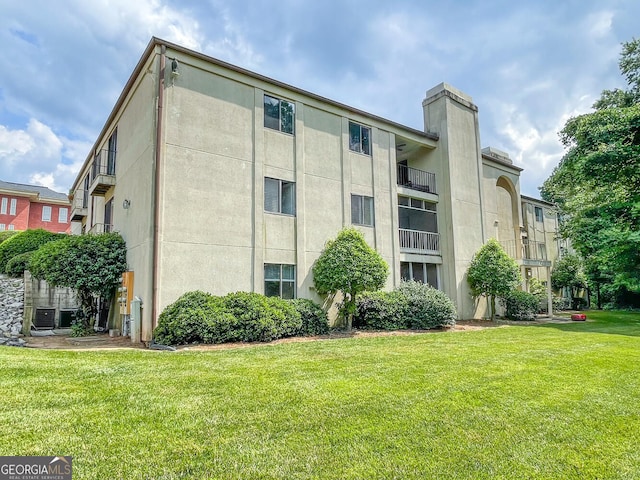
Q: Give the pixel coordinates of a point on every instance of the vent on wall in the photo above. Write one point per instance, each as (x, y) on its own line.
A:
(45, 318)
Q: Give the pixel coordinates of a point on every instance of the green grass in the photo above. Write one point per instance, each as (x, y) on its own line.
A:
(551, 401)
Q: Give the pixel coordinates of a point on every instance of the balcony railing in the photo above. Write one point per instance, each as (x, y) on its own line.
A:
(528, 250)
(416, 179)
(103, 172)
(415, 241)
(79, 205)
(101, 228)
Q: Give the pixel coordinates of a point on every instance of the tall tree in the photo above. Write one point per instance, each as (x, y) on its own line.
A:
(597, 183)
(349, 265)
(492, 273)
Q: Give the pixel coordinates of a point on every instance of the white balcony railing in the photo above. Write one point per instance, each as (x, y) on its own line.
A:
(101, 228)
(415, 241)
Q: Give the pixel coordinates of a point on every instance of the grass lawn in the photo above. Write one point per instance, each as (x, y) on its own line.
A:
(548, 401)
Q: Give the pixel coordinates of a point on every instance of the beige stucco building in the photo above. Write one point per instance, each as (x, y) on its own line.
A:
(220, 179)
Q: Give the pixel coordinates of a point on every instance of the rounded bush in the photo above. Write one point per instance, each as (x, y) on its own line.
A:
(427, 307)
(6, 234)
(412, 305)
(18, 264)
(381, 311)
(260, 318)
(184, 320)
(520, 305)
(314, 319)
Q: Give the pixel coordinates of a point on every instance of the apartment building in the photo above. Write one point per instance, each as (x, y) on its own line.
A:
(221, 179)
(25, 207)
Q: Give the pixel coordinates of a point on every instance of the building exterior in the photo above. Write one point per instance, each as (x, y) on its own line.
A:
(25, 207)
(220, 179)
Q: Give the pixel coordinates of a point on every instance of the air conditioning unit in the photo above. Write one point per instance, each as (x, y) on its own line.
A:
(67, 317)
(45, 318)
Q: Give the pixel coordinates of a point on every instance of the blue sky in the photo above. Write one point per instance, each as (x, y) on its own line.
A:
(529, 65)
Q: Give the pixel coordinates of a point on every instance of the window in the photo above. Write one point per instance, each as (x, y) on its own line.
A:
(111, 157)
(12, 209)
(46, 213)
(280, 280)
(279, 196)
(279, 114)
(542, 251)
(362, 210)
(3, 208)
(359, 138)
(62, 215)
(420, 272)
(418, 215)
(539, 217)
(12, 226)
(2, 227)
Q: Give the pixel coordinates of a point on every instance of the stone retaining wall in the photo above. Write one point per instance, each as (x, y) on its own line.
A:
(11, 309)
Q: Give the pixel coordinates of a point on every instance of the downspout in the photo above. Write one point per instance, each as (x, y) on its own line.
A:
(156, 189)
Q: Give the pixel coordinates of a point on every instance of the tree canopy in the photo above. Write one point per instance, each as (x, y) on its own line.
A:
(349, 265)
(492, 273)
(597, 183)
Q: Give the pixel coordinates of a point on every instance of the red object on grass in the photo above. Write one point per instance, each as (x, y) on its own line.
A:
(578, 317)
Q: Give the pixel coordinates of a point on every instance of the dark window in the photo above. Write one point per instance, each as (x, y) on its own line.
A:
(359, 138)
(280, 280)
(416, 214)
(111, 156)
(539, 216)
(279, 114)
(420, 272)
(362, 212)
(279, 196)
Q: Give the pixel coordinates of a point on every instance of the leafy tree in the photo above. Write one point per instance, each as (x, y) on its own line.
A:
(348, 265)
(91, 264)
(597, 183)
(568, 273)
(492, 273)
(22, 242)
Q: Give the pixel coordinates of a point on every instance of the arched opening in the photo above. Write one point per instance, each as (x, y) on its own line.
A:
(508, 223)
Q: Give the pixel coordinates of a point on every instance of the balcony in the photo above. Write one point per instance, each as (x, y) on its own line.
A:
(415, 241)
(416, 179)
(79, 205)
(101, 228)
(530, 253)
(103, 172)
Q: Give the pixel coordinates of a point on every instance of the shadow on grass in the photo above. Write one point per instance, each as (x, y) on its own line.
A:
(611, 322)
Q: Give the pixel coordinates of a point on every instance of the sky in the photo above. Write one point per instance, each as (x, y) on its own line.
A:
(529, 65)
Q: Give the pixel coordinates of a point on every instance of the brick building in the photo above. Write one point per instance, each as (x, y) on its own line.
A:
(25, 207)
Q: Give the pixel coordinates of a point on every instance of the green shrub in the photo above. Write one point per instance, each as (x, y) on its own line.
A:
(381, 311)
(260, 318)
(314, 319)
(427, 307)
(6, 234)
(561, 303)
(412, 305)
(184, 320)
(241, 316)
(27, 241)
(18, 264)
(520, 305)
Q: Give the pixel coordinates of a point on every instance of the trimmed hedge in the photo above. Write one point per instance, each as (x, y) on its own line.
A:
(241, 316)
(18, 264)
(520, 305)
(412, 305)
(27, 241)
(6, 234)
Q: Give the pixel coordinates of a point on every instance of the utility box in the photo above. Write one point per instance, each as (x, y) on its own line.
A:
(45, 318)
(67, 317)
(135, 322)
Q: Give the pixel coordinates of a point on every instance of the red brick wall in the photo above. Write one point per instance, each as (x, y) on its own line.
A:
(35, 217)
(29, 215)
(20, 220)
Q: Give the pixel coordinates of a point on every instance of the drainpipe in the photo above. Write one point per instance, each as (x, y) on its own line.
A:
(156, 187)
